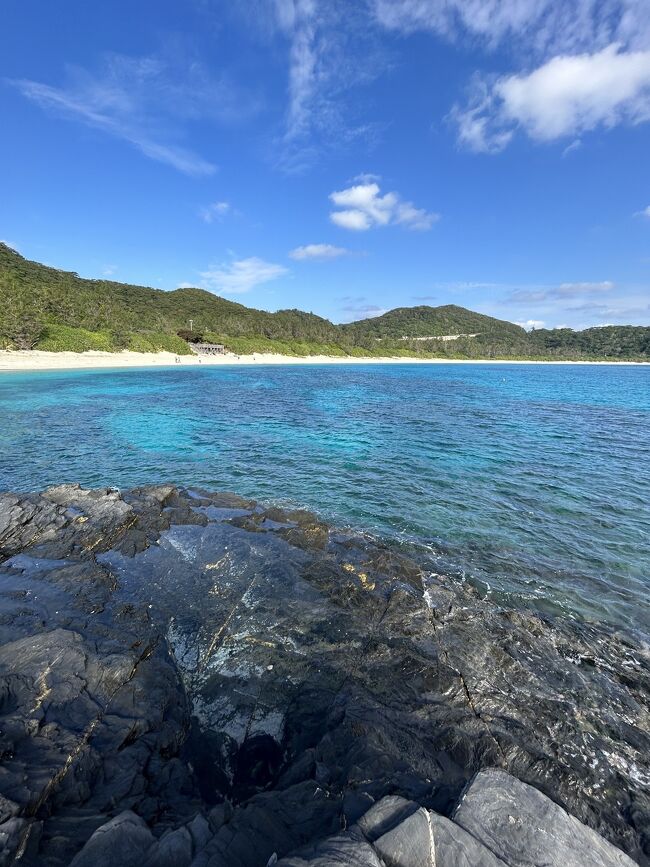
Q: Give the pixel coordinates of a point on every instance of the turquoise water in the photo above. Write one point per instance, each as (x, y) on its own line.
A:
(532, 482)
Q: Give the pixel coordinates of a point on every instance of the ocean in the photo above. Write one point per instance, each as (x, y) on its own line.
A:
(531, 482)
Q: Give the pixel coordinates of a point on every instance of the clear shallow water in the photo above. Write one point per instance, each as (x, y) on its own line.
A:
(531, 481)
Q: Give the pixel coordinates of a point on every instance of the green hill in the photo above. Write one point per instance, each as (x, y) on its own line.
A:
(608, 341)
(45, 308)
(421, 322)
(33, 298)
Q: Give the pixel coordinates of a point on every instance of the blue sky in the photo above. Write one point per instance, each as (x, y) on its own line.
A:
(341, 156)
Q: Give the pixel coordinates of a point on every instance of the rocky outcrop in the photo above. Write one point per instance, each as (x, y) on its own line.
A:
(208, 682)
(526, 829)
(499, 821)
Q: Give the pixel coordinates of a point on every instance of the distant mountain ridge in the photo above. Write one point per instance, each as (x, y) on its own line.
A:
(45, 308)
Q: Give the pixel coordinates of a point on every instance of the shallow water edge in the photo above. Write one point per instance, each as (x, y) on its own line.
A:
(527, 481)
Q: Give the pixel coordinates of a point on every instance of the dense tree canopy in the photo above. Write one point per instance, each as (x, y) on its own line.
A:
(50, 309)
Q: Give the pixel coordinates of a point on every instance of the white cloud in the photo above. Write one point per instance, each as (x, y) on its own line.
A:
(590, 62)
(109, 270)
(214, 211)
(488, 18)
(530, 324)
(543, 27)
(357, 221)
(567, 96)
(644, 213)
(302, 65)
(576, 94)
(241, 275)
(285, 13)
(317, 251)
(414, 218)
(145, 101)
(361, 207)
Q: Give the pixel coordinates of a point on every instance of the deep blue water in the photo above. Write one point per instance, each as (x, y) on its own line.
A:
(533, 482)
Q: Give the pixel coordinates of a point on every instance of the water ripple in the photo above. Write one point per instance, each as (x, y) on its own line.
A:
(530, 481)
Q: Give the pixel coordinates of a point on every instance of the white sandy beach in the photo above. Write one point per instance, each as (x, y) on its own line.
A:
(34, 360)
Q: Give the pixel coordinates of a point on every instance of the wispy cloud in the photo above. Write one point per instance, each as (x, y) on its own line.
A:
(317, 251)
(109, 270)
(527, 296)
(575, 145)
(624, 309)
(241, 275)
(540, 294)
(215, 212)
(540, 27)
(644, 213)
(566, 96)
(359, 307)
(83, 107)
(366, 178)
(568, 289)
(362, 207)
(304, 58)
(331, 49)
(145, 101)
(581, 304)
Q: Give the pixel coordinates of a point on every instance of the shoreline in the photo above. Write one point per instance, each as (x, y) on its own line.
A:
(37, 360)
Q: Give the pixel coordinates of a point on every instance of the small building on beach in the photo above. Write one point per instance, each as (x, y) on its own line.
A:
(208, 348)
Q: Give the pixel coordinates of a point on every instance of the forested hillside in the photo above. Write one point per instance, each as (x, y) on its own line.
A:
(608, 341)
(44, 308)
(419, 322)
(34, 297)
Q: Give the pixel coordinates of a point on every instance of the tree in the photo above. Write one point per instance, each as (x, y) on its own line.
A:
(21, 322)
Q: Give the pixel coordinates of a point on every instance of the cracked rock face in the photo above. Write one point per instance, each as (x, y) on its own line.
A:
(227, 684)
(512, 825)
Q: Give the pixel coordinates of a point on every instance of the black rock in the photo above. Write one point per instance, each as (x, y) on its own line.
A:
(248, 682)
(124, 841)
(348, 848)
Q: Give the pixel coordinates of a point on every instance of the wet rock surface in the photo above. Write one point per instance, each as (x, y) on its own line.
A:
(218, 684)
